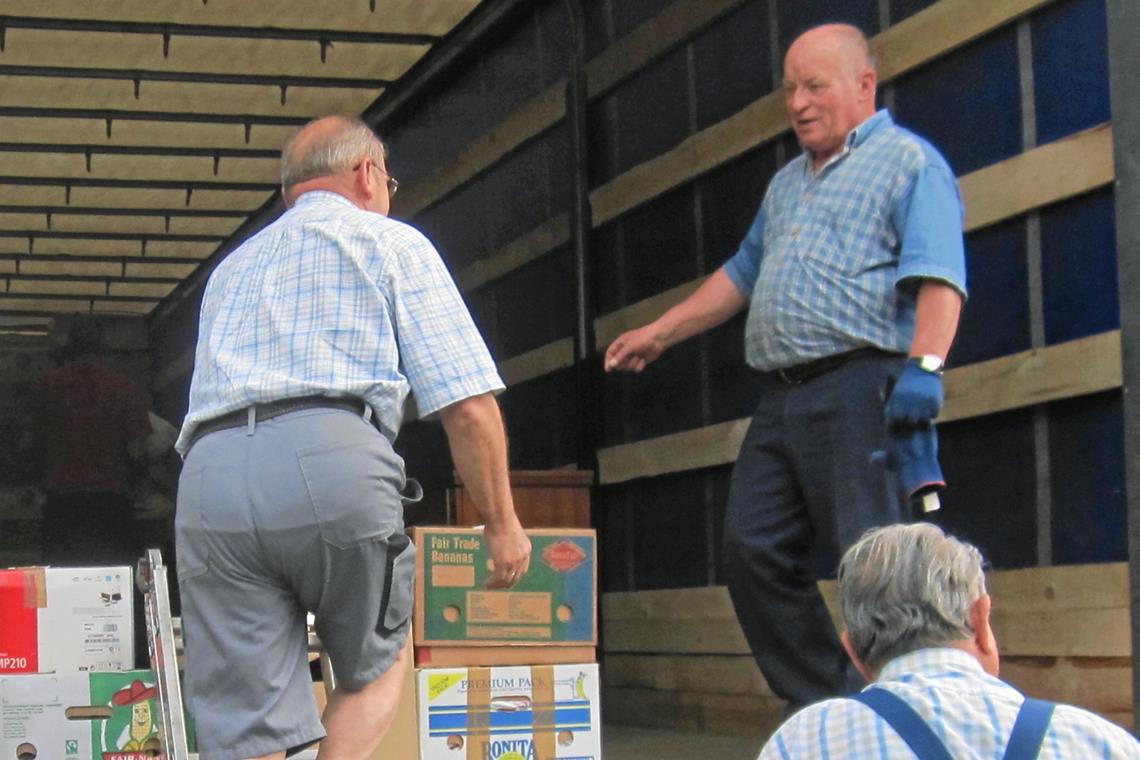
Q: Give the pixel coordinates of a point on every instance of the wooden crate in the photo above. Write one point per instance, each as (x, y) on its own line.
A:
(543, 499)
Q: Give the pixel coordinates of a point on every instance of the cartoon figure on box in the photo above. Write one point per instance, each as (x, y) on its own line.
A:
(140, 734)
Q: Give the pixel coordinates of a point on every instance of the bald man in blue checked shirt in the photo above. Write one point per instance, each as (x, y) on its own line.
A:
(312, 334)
(917, 620)
(854, 276)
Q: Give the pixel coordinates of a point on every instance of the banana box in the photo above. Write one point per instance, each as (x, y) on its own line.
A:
(541, 712)
(553, 604)
(80, 716)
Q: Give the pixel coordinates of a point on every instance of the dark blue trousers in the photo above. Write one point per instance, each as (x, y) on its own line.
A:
(803, 490)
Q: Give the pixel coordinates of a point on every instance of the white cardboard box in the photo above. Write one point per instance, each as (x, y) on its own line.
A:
(537, 712)
(62, 619)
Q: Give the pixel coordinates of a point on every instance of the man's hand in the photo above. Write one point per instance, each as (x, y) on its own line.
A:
(510, 553)
(916, 399)
(635, 350)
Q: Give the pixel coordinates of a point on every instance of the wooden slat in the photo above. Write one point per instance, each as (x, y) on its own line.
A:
(541, 361)
(125, 197)
(155, 249)
(206, 55)
(155, 268)
(1064, 611)
(529, 247)
(17, 304)
(1065, 370)
(1101, 684)
(941, 28)
(149, 225)
(533, 118)
(689, 450)
(165, 134)
(710, 674)
(610, 326)
(178, 97)
(107, 269)
(1047, 174)
(737, 715)
(140, 167)
(395, 16)
(1079, 367)
(655, 37)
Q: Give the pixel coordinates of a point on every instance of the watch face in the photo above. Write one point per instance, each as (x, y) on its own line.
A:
(930, 363)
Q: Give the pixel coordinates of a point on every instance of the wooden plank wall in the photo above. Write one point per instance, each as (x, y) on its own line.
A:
(677, 658)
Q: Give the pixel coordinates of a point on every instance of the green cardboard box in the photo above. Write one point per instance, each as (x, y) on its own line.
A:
(554, 603)
(80, 716)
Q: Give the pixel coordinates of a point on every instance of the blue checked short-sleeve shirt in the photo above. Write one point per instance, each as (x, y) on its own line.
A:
(334, 300)
(971, 712)
(833, 260)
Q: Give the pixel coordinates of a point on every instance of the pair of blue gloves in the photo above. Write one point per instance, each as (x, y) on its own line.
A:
(912, 405)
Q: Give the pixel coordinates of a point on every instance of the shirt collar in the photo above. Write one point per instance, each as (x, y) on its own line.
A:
(855, 138)
(930, 661)
(321, 196)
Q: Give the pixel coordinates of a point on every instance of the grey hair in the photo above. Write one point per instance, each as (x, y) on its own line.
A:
(907, 587)
(325, 154)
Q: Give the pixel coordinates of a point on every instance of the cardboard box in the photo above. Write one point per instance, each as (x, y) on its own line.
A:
(467, 657)
(403, 737)
(553, 604)
(80, 716)
(63, 619)
(542, 712)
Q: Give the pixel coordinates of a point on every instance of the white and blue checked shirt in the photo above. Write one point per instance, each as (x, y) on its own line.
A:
(334, 300)
(833, 259)
(970, 711)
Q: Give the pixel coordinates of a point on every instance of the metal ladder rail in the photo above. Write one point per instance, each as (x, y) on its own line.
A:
(163, 653)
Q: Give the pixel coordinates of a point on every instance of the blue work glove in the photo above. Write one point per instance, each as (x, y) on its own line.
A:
(913, 454)
(916, 398)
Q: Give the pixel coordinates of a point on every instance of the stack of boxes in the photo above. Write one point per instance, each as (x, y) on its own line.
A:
(67, 690)
(510, 674)
(506, 675)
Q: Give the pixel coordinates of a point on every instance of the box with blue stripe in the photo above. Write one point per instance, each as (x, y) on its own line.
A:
(539, 712)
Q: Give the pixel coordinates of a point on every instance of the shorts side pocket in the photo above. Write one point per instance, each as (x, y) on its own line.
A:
(399, 587)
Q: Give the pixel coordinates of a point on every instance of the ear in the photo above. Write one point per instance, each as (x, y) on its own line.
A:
(984, 640)
(868, 83)
(849, 647)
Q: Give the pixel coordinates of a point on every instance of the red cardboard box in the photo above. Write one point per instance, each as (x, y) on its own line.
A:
(65, 619)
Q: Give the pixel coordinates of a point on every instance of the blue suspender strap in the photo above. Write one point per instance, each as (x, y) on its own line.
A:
(906, 722)
(1029, 730)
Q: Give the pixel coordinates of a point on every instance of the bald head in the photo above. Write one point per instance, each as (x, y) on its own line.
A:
(845, 42)
(341, 155)
(829, 87)
(327, 146)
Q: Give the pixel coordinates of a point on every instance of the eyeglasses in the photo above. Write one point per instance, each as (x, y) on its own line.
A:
(392, 182)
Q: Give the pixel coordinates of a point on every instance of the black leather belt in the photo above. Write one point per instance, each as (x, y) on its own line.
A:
(800, 373)
(263, 412)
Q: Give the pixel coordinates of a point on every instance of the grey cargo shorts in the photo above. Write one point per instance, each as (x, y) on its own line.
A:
(301, 514)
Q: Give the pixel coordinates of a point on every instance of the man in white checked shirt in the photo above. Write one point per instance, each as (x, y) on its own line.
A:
(312, 334)
(917, 620)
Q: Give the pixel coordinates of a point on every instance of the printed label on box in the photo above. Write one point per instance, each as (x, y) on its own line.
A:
(510, 713)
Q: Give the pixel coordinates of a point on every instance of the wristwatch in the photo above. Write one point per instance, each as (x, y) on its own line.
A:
(932, 363)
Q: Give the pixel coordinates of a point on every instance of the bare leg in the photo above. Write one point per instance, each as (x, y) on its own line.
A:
(356, 721)
(274, 756)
